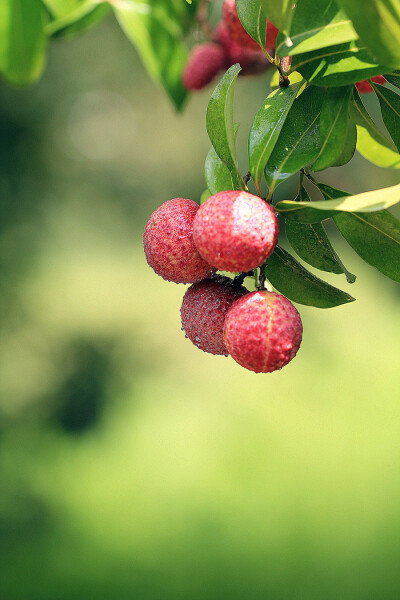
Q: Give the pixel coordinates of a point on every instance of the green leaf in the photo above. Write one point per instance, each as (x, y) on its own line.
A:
(333, 126)
(253, 19)
(266, 128)
(349, 145)
(316, 24)
(83, 18)
(22, 40)
(390, 109)
(371, 142)
(338, 65)
(217, 174)
(375, 237)
(220, 125)
(280, 12)
(299, 142)
(311, 243)
(157, 39)
(296, 283)
(318, 211)
(393, 78)
(377, 22)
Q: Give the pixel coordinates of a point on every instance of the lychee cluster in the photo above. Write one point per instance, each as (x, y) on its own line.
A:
(231, 44)
(232, 231)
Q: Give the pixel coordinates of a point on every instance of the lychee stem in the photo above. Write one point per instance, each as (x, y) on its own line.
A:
(262, 279)
(239, 279)
(247, 177)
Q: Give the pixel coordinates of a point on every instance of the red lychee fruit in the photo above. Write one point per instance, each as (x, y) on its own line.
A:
(205, 62)
(235, 231)
(364, 87)
(169, 246)
(252, 61)
(237, 32)
(203, 311)
(263, 331)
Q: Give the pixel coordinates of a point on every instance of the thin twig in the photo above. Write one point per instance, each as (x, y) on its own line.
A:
(247, 177)
(239, 279)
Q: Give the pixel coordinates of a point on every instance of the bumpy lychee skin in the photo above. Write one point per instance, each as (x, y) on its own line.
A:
(263, 331)
(364, 87)
(205, 62)
(235, 231)
(237, 32)
(251, 60)
(169, 246)
(203, 312)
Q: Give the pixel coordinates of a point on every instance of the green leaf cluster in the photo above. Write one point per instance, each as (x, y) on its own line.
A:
(315, 123)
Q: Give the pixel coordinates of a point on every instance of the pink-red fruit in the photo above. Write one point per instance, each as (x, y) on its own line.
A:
(205, 62)
(235, 231)
(203, 311)
(263, 331)
(238, 33)
(169, 246)
(364, 87)
(251, 60)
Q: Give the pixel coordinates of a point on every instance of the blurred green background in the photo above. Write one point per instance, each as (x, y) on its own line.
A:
(131, 464)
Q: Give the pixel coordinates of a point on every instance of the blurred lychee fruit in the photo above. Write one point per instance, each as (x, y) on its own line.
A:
(205, 62)
(272, 34)
(237, 32)
(169, 246)
(263, 331)
(364, 87)
(203, 311)
(251, 60)
(235, 231)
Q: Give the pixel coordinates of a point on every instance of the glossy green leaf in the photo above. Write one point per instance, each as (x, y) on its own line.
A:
(311, 243)
(217, 174)
(316, 24)
(296, 283)
(390, 109)
(318, 211)
(338, 65)
(393, 78)
(157, 39)
(280, 12)
(83, 18)
(349, 147)
(253, 19)
(377, 22)
(22, 40)
(266, 128)
(375, 237)
(371, 142)
(220, 126)
(298, 143)
(333, 126)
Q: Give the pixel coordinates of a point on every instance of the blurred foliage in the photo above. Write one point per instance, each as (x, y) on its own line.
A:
(131, 464)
